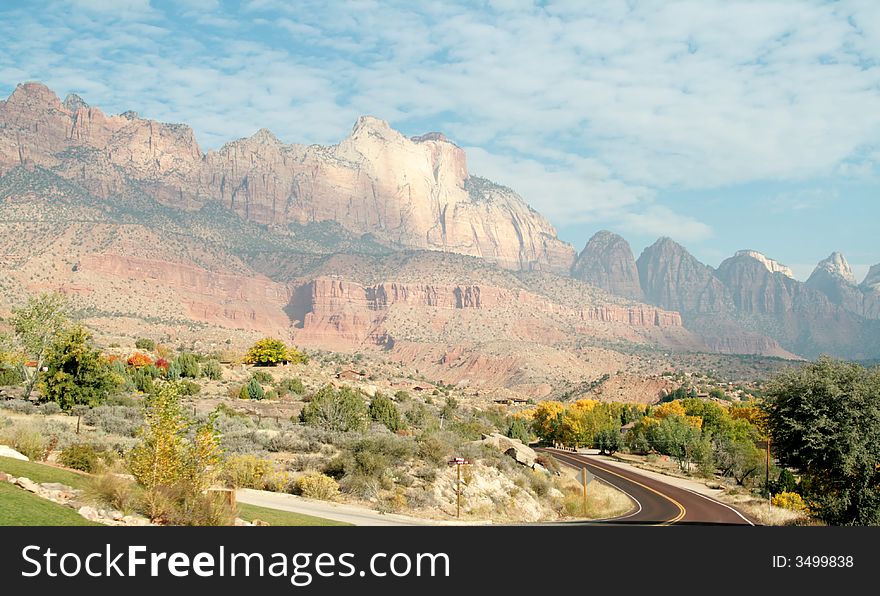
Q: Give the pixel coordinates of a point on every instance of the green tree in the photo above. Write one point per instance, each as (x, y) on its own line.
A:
(342, 409)
(824, 420)
(676, 437)
(253, 390)
(518, 429)
(608, 440)
(270, 352)
(188, 364)
(173, 372)
(36, 324)
(383, 410)
(77, 373)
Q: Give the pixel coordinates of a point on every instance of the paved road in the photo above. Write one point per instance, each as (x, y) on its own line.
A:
(352, 514)
(654, 502)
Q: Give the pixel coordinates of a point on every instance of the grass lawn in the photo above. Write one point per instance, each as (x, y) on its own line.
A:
(277, 517)
(42, 473)
(18, 507)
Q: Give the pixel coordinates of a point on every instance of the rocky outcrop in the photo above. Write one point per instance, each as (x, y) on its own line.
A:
(637, 316)
(516, 449)
(834, 278)
(607, 262)
(410, 192)
(673, 279)
(771, 265)
(219, 298)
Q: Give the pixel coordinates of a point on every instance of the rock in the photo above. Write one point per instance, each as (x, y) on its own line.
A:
(771, 265)
(259, 522)
(834, 278)
(116, 515)
(607, 262)
(135, 520)
(514, 448)
(56, 486)
(6, 451)
(241, 523)
(90, 513)
(27, 484)
(555, 493)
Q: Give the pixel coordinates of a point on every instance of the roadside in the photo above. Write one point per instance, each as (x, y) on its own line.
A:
(351, 514)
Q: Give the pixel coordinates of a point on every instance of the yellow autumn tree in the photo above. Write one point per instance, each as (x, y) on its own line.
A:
(547, 420)
(670, 408)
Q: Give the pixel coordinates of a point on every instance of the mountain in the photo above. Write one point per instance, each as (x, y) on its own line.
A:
(607, 262)
(751, 304)
(834, 278)
(670, 275)
(404, 192)
(771, 265)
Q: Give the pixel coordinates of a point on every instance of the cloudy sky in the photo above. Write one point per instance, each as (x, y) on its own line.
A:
(724, 125)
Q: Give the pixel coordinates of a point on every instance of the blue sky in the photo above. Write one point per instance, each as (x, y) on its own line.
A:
(724, 125)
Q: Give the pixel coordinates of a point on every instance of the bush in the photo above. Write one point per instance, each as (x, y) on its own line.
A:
(172, 373)
(187, 388)
(383, 410)
(81, 457)
(518, 429)
(246, 471)
(188, 364)
(117, 420)
(290, 385)
(19, 406)
(10, 376)
(317, 486)
(142, 343)
(211, 369)
(28, 441)
(270, 351)
(119, 493)
(262, 377)
(340, 410)
(252, 390)
(791, 501)
(138, 360)
(48, 409)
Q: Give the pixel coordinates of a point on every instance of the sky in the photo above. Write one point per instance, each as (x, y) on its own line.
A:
(724, 125)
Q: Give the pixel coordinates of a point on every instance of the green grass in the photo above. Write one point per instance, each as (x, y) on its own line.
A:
(276, 517)
(42, 472)
(18, 507)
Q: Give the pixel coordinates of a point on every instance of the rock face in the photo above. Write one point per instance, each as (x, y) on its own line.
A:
(771, 265)
(672, 278)
(834, 278)
(408, 192)
(607, 262)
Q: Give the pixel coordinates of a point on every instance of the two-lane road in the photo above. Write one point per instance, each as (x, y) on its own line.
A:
(654, 502)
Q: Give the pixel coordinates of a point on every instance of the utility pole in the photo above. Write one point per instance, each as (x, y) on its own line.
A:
(458, 462)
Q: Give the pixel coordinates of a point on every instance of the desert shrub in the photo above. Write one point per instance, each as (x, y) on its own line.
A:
(80, 456)
(117, 420)
(290, 385)
(519, 429)
(342, 409)
(142, 380)
(307, 462)
(28, 441)
(19, 406)
(288, 442)
(402, 396)
(172, 373)
(10, 376)
(119, 493)
(188, 364)
(50, 408)
(187, 388)
(789, 500)
(417, 415)
(539, 482)
(383, 410)
(262, 377)
(317, 486)
(142, 343)
(246, 471)
(162, 364)
(437, 447)
(549, 463)
(211, 369)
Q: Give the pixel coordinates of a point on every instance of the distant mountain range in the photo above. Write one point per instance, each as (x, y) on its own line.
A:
(379, 242)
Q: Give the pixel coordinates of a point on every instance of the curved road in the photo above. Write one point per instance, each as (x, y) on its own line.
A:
(655, 502)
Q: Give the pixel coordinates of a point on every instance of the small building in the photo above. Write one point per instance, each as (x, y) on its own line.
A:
(350, 375)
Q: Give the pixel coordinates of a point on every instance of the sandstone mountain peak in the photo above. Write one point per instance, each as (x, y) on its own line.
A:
(872, 280)
(376, 181)
(431, 136)
(836, 264)
(74, 102)
(607, 262)
(771, 265)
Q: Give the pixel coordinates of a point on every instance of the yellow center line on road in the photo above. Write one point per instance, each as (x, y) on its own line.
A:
(681, 510)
